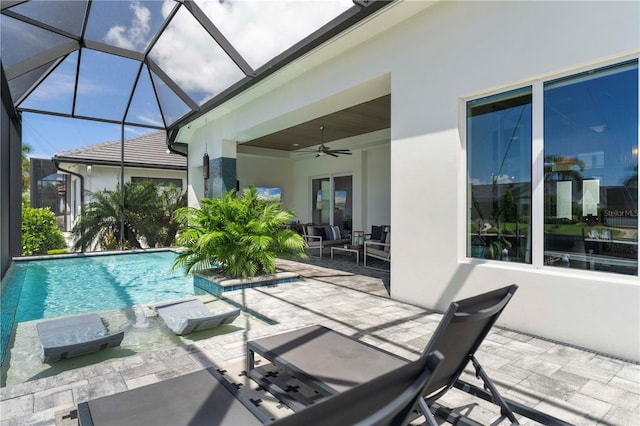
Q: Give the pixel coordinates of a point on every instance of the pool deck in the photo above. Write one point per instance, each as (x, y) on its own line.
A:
(575, 385)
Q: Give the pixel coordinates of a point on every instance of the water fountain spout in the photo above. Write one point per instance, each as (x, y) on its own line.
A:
(141, 317)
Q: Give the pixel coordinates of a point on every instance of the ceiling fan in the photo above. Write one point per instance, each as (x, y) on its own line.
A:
(325, 150)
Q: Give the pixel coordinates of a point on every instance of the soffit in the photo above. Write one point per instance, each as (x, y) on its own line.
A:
(363, 118)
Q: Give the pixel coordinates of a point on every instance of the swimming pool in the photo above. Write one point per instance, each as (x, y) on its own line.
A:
(36, 289)
(123, 287)
(58, 287)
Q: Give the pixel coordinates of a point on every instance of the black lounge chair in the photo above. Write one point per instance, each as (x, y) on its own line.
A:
(206, 398)
(192, 315)
(73, 336)
(331, 362)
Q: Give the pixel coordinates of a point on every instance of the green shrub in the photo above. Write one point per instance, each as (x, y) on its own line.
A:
(241, 235)
(58, 251)
(40, 232)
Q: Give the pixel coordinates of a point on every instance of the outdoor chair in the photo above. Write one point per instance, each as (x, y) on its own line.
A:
(73, 336)
(377, 249)
(193, 315)
(330, 362)
(205, 397)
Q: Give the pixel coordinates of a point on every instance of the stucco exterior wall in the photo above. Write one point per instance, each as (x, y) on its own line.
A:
(107, 178)
(432, 61)
(466, 50)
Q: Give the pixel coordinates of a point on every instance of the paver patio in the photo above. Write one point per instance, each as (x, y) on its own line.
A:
(575, 385)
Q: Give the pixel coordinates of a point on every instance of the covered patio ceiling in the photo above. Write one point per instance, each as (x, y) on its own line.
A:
(162, 63)
(353, 121)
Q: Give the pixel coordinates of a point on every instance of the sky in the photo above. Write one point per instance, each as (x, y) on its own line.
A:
(259, 30)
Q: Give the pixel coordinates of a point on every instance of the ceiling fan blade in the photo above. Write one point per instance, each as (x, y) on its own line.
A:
(330, 153)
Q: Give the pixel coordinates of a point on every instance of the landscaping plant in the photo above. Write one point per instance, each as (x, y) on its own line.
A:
(241, 235)
(148, 213)
(40, 232)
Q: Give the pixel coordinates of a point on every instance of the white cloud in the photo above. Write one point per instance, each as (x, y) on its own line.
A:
(504, 179)
(259, 30)
(135, 36)
(153, 120)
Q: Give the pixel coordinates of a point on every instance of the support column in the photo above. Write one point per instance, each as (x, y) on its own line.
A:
(222, 171)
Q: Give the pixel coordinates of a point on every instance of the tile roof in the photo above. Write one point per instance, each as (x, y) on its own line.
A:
(145, 151)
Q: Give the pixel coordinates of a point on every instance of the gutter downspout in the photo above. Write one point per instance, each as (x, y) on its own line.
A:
(81, 178)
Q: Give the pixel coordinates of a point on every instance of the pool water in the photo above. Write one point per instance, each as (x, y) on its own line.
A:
(123, 287)
(56, 287)
(36, 289)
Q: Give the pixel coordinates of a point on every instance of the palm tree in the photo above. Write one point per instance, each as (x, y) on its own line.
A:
(147, 215)
(241, 235)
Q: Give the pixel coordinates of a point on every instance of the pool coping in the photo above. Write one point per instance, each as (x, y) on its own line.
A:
(91, 254)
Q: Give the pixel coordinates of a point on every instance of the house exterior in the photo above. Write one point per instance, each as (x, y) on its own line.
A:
(98, 167)
(523, 110)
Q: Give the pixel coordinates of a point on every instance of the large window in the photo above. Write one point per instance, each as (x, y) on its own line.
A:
(587, 173)
(499, 170)
(591, 170)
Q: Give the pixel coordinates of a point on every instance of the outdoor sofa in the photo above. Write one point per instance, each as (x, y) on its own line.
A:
(323, 236)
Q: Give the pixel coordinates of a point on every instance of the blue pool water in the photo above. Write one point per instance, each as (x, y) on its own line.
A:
(36, 289)
(58, 287)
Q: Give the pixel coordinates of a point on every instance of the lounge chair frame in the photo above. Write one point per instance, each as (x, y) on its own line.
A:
(206, 397)
(459, 334)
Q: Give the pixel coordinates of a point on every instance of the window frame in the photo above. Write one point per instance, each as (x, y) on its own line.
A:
(537, 168)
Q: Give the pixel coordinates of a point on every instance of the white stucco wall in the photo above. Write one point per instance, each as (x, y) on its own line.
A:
(266, 171)
(370, 170)
(469, 49)
(102, 178)
(431, 62)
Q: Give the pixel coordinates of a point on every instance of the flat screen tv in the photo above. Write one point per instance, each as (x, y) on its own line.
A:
(269, 193)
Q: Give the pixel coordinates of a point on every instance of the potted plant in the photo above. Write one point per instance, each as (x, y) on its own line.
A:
(240, 235)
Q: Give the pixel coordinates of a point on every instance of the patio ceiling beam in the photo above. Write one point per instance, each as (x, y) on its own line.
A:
(83, 117)
(40, 79)
(346, 20)
(42, 59)
(133, 91)
(39, 24)
(160, 31)
(157, 98)
(6, 4)
(172, 84)
(217, 35)
(113, 50)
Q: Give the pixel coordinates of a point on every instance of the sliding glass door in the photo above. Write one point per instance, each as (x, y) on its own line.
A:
(331, 201)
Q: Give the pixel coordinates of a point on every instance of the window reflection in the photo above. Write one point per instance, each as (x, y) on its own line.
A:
(591, 171)
(499, 167)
